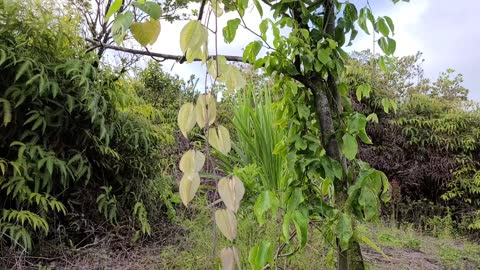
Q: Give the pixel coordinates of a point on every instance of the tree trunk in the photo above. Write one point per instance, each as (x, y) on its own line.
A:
(350, 259)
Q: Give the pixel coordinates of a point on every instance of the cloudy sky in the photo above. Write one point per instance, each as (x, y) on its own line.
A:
(444, 30)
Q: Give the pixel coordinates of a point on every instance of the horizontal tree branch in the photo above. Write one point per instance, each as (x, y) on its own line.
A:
(165, 56)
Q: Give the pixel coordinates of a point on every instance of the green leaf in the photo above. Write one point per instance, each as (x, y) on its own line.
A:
(120, 25)
(350, 12)
(265, 202)
(116, 5)
(382, 27)
(260, 255)
(390, 23)
(387, 45)
(362, 20)
(349, 146)
(154, 10)
(230, 30)
(7, 111)
(370, 243)
(242, 5)
(263, 28)
(381, 63)
(324, 56)
(294, 200)
(301, 226)
(368, 201)
(363, 90)
(386, 105)
(344, 230)
(372, 118)
(259, 7)
(251, 51)
(147, 32)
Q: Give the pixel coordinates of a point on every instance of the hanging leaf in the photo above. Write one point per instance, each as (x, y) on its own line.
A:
(193, 37)
(217, 7)
(301, 226)
(154, 10)
(349, 146)
(260, 255)
(227, 223)
(7, 111)
(219, 138)
(230, 258)
(206, 106)
(266, 201)
(369, 203)
(114, 7)
(231, 191)
(147, 32)
(192, 162)
(344, 230)
(230, 30)
(188, 187)
(186, 118)
(251, 51)
(219, 63)
(120, 25)
(233, 78)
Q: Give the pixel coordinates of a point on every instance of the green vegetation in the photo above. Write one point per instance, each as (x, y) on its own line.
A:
(321, 160)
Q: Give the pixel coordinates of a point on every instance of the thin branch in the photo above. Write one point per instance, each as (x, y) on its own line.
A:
(165, 56)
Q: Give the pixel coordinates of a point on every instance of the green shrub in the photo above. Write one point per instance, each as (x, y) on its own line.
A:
(72, 138)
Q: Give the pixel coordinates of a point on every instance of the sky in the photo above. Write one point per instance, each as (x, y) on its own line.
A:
(444, 30)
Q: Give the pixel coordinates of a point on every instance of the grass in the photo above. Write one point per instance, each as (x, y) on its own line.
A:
(405, 247)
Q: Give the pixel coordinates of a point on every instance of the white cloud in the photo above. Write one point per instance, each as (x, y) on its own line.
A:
(445, 31)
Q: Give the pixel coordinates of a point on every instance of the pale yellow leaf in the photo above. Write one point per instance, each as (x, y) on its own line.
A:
(186, 118)
(222, 67)
(230, 258)
(217, 8)
(231, 191)
(193, 36)
(227, 223)
(147, 32)
(219, 138)
(192, 162)
(188, 187)
(233, 78)
(206, 107)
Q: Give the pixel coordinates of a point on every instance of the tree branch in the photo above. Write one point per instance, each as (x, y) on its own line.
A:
(165, 56)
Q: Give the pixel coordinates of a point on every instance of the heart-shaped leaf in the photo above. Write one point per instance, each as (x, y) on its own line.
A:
(192, 162)
(227, 223)
(147, 32)
(193, 36)
(188, 187)
(231, 191)
(206, 106)
(186, 118)
(219, 138)
(230, 258)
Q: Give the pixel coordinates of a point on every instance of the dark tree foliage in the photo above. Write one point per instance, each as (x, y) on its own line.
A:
(430, 147)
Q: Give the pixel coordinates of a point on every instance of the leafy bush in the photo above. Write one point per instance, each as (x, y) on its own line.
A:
(68, 142)
(430, 147)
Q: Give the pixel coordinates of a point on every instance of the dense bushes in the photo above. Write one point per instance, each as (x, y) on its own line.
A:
(72, 138)
(430, 147)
